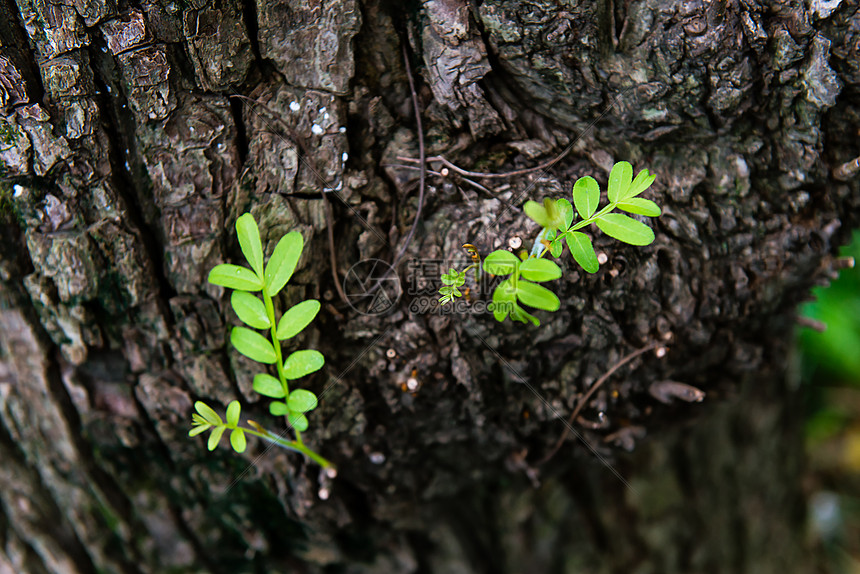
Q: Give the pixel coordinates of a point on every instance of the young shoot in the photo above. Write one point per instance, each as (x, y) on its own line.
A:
(560, 223)
(267, 279)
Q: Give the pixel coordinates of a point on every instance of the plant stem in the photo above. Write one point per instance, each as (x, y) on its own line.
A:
(296, 445)
(279, 363)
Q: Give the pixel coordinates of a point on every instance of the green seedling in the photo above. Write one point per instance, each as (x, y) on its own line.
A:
(259, 314)
(561, 223)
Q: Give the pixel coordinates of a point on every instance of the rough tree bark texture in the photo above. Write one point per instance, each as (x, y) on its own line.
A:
(127, 156)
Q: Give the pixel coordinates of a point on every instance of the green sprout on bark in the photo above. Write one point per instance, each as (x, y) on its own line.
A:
(259, 314)
(561, 223)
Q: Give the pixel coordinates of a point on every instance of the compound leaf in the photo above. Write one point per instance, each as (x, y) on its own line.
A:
(302, 363)
(268, 386)
(252, 345)
(537, 296)
(626, 229)
(298, 421)
(297, 318)
(619, 180)
(250, 309)
(302, 401)
(640, 206)
(235, 277)
(249, 241)
(501, 262)
(283, 261)
(586, 196)
(540, 270)
(582, 250)
(237, 440)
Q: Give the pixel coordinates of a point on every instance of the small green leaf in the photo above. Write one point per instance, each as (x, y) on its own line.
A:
(520, 314)
(534, 295)
(215, 437)
(297, 318)
(268, 386)
(249, 241)
(207, 413)
(302, 363)
(620, 179)
(283, 262)
(298, 421)
(237, 440)
(582, 251)
(302, 401)
(626, 229)
(235, 277)
(233, 411)
(540, 270)
(250, 309)
(278, 408)
(586, 196)
(199, 429)
(537, 213)
(566, 211)
(252, 345)
(640, 206)
(504, 299)
(642, 182)
(500, 262)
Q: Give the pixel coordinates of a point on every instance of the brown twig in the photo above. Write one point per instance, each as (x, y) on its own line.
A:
(593, 389)
(466, 173)
(474, 184)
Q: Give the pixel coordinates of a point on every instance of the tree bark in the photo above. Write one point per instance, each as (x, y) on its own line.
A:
(133, 136)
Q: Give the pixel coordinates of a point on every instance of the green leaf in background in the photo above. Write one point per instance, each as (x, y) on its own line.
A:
(297, 318)
(278, 408)
(640, 206)
(626, 229)
(620, 179)
(301, 363)
(268, 386)
(535, 295)
(252, 345)
(586, 196)
(565, 209)
(582, 250)
(235, 277)
(302, 401)
(537, 213)
(540, 270)
(250, 309)
(642, 182)
(237, 440)
(283, 262)
(215, 437)
(504, 299)
(298, 421)
(500, 262)
(233, 411)
(249, 241)
(207, 413)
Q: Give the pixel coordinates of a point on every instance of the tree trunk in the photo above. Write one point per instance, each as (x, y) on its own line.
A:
(134, 135)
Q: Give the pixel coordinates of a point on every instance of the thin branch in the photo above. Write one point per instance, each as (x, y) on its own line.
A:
(474, 184)
(465, 173)
(593, 389)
